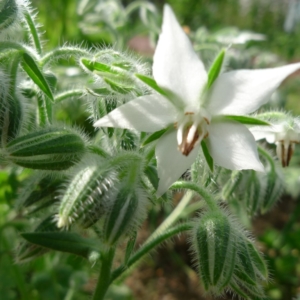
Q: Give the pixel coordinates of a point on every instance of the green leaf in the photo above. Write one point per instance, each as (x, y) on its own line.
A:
(33, 71)
(247, 120)
(207, 156)
(154, 136)
(215, 69)
(64, 242)
(152, 83)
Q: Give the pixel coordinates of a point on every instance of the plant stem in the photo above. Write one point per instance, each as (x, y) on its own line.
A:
(44, 110)
(207, 197)
(64, 52)
(34, 32)
(69, 94)
(149, 245)
(104, 279)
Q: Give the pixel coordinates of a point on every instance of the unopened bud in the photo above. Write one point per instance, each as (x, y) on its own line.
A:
(214, 242)
(46, 149)
(85, 195)
(127, 209)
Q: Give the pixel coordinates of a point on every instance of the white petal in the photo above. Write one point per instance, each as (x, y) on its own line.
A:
(146, 113)
(176, 65)
(263, 132)
(233, 147)
(244, 91)
(171, 163)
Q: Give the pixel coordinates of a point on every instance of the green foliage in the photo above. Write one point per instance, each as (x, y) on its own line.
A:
(86, 194)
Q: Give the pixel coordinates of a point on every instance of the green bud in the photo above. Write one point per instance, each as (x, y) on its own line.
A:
(86, 195)
(227, 259)
(214, 242)
(126, 210)
(46, 149)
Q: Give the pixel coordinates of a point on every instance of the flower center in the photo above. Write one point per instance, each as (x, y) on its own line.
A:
(191, 130)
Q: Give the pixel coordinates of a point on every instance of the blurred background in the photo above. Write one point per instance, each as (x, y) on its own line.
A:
(262, 33)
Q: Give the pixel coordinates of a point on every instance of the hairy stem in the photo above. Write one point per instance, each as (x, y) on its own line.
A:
(104, 279)
(149, 245)
(34, 33)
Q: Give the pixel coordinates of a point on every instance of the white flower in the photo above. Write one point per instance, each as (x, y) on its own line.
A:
(193, 112)
(284, 132)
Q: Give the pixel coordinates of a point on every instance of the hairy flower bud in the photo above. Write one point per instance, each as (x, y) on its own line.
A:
(86, 195)
(46, 149)
(214, 242)
(126, 210)
(226, 258)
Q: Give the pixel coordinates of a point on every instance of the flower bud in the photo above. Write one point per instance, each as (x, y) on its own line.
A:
(226, 258)
(46, 149)
(86, 194)
(214, 242)
(126, 211)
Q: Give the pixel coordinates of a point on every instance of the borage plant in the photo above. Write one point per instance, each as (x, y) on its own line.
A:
(91, 193)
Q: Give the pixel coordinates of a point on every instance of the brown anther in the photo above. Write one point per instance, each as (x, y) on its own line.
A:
(188, 113)
(175, 125)
(185, 148)
(206, 120)
(286, 154)
(207, 134)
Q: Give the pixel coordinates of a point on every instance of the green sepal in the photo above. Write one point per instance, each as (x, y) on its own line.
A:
(247, 120)
(151, 173)
(239, 291)
(151, 83)
(154, 136)
(208, 158)
(122, 214)
(245, 269)
(99, 92)
(130, 247)
(64, 242)
(222, 233)
(33, 71)
(203, 257)
(97, 66)
(258, 261)
(215, 68)
(119, 87)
